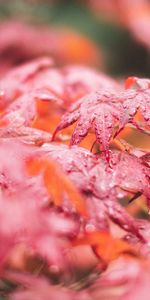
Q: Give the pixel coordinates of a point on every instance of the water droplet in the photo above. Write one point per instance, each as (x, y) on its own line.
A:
(54, 269)
(109, 125)
(124, 105)
(126, 227)
(90, 227)
(146, 118)
(120, 195)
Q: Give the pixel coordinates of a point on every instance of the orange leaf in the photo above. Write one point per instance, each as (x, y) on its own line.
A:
(47, 123)
(47, 117)
(130, 81)
(105, 246)
(34, 166)
(56, 182)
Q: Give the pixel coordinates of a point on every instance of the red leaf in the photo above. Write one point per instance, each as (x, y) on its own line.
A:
(15, 82)
(92, 176)
(103, 111)
(98, 111)
(80, 81)
(134, 101)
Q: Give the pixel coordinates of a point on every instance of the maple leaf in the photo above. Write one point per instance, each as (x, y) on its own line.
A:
(103, 185)
(39, 80)
(102, 209)
(123, 173)
(53, 196)
(26, 108)
(99, 111)
(75, 161)
(29, 69)
(94, 174)
(80, 81)
(104, 110)
(134, 101)
(32, 109)
(15, 83)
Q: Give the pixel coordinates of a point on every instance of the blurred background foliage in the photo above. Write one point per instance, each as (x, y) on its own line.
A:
(122, 54)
